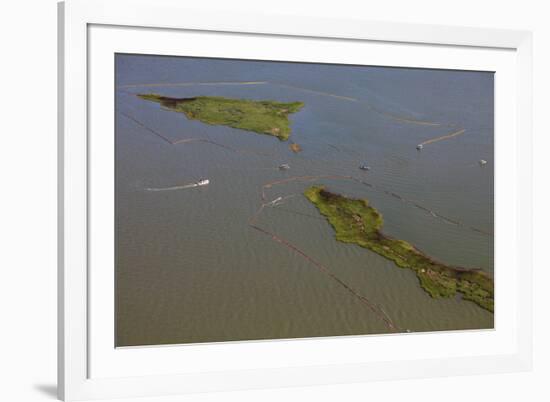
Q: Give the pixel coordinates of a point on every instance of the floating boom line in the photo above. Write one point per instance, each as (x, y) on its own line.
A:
(308, 90)
(367, 104)
(373, 307)
(375, 187)
(190, 84)
(154, 132)
(376, 309)
(300, 178)
(188, 140)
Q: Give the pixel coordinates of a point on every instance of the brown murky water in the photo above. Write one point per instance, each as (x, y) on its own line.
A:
(189, 268)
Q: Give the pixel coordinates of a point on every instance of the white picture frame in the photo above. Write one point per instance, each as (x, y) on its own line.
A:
(78, 344)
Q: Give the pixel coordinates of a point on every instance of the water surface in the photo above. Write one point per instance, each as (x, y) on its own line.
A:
(190, 269)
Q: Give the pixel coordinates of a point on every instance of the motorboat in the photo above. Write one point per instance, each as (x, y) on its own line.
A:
(274, 202)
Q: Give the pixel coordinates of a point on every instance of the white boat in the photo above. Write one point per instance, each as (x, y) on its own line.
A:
(202, 182)
(274, 202)
(419, 147)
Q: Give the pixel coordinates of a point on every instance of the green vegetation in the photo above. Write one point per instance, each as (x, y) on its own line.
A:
(264, 117)
(355, 221)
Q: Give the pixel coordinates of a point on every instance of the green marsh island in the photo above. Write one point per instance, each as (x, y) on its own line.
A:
(355, 221)
(263, 117)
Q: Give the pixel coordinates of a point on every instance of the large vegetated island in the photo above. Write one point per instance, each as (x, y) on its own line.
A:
(355, 221)
(263, 117)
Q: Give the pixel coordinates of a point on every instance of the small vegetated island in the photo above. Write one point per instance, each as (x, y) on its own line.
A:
(263, 117)
(355, 221)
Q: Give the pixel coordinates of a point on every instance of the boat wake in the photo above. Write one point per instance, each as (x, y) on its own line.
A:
(444, 137)
(200, 183)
